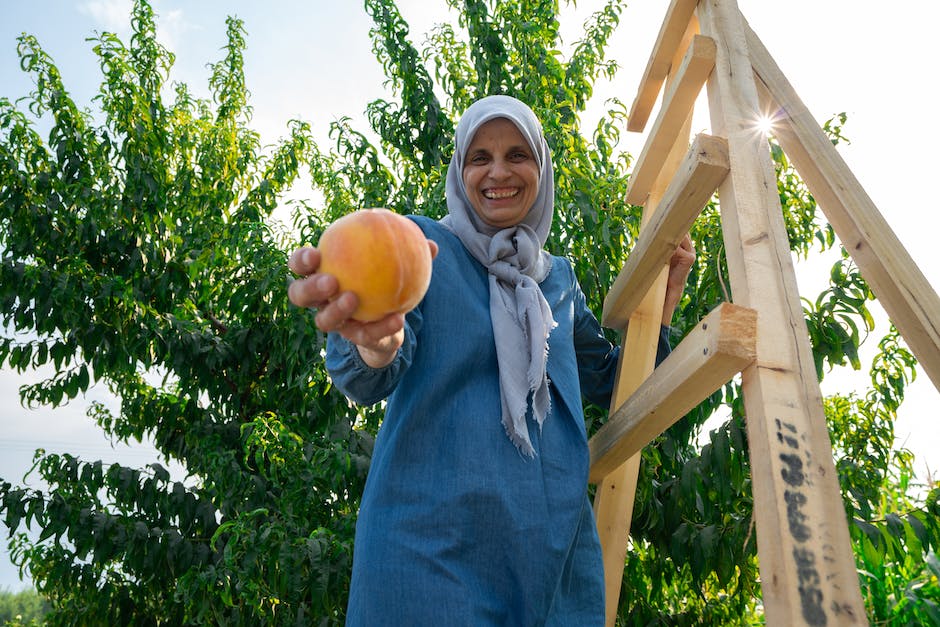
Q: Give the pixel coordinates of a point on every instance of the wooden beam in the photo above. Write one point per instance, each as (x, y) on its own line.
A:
(722, 344)
(704, 168)
(901, 287)
(671, 33)
(677, 103)
(613, 500)
(808, 574)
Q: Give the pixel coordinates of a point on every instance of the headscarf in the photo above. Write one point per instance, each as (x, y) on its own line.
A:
(516, 262)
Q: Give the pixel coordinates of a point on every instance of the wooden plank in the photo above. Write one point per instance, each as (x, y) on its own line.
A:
(722, 344)
(613, 500)
(704, 168)
(671, 33)
(807, 567)
(911, 303)
(677, 103)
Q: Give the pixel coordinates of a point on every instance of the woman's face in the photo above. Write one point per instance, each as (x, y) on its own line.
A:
(500, 174)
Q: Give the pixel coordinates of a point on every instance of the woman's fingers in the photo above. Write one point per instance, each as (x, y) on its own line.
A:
(377, 342)
(304, 261)
(311, 289)
(680, 266)
(681, 261)
(336, 314)
(334, 309)
(376, 335)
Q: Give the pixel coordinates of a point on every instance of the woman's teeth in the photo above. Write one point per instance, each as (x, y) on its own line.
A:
(495, 195)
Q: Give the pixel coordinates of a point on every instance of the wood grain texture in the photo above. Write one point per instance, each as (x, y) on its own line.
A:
(719, 347)
(807, 567)
(698, 176)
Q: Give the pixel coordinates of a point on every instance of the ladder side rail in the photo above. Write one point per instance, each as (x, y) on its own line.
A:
(808, 574)
(614, 498)
(899, 284)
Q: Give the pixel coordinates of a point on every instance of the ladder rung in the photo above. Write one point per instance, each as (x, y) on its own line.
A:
(677, 106)
(704, 168)
(667, 43)
(723, 343)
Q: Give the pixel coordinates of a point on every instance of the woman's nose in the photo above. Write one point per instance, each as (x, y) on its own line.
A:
(499, 169)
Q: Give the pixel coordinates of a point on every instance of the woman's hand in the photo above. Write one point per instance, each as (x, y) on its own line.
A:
(377, 341)
(680, 264)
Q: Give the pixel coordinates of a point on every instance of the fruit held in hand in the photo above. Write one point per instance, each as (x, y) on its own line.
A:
(380, 256)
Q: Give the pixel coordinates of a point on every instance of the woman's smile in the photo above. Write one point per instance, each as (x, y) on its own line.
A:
(496, 194)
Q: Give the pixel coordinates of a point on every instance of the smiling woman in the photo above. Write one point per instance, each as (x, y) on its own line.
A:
(477, 493)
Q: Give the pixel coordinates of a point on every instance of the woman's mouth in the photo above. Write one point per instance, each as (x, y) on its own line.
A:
(499, 194)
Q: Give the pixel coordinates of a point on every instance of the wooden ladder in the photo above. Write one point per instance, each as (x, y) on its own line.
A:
(807, 567)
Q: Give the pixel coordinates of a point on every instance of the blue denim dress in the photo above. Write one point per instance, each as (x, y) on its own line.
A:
(456, 527)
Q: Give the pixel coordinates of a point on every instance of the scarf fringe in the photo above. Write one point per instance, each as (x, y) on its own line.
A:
(520, 438)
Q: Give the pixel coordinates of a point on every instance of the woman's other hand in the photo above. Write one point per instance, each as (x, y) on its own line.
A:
(680, 265)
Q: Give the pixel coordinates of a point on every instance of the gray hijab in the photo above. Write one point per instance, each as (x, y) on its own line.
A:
(517, 263)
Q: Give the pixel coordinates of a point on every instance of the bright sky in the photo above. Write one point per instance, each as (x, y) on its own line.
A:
(311, 59)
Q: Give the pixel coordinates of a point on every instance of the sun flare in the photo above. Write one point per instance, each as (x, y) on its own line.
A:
(765, 125)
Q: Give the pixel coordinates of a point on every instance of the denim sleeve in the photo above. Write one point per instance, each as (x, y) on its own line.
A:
(598, 358)
(360, 382)
(663, 348)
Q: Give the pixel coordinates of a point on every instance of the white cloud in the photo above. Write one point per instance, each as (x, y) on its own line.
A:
(115, 16)
(172, 28)
(112, 15)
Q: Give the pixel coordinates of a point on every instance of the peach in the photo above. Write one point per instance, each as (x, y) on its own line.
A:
(380, 256)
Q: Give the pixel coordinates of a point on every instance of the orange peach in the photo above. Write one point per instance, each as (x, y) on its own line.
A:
(380, 256)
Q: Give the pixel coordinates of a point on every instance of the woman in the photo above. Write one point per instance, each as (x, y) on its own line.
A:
(475, 511)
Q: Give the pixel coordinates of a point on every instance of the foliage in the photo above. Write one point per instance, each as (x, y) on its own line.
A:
(139, 255)
(136, 256)
(896, 536)
(22, 608)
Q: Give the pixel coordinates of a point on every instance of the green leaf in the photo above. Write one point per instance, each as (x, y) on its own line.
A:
(934, 564)
(919, 530)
